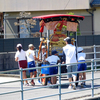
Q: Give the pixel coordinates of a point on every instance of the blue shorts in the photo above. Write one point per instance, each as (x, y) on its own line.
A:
(53, 70)
(82, 66)
(30, 65)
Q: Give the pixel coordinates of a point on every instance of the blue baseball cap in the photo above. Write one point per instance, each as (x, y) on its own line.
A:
(54, 52)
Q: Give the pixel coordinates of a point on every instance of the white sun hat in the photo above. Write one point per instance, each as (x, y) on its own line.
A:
(31, 45)
(43, 46)
(19, 45)
(80, 49)
(67, 39)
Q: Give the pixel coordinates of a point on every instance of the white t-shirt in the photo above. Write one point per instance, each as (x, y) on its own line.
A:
(30, 55)
(81, 56)
(21, 55)
(52, 59)
(70, 53)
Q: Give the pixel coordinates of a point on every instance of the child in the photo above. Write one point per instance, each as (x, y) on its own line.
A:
(53, 60)
(82, 66)
(20, 57)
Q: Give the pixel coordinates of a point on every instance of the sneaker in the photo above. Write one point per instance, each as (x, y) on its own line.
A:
(39, 81)
(50, 85)
(82, 85)
(49, 82)
(54, 87)
(70, 87)
(74, 87)
(32, 83)
(26, 84)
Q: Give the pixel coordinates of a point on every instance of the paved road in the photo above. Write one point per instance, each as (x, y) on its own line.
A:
(81, 95)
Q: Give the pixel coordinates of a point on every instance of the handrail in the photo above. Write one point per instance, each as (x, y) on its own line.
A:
(59, 76)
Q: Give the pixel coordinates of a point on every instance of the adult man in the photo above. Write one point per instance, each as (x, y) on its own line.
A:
(31, 62)
(69, 56)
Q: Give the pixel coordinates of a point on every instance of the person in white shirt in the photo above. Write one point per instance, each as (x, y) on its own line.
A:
(30, 54)
(42, 55)
(53, 60)
(82, 67)
(20, 57)
(69, 56)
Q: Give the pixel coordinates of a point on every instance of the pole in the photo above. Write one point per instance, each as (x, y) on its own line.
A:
(59, 72)
(37, 70)
(30, 31)
(95, 64)
(21, 77)
(36, 53)
(76, 44)
(92, 73)
(48, 33)
(4, 26)
(40, 42)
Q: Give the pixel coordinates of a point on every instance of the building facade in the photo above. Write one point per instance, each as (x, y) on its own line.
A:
(88, 8)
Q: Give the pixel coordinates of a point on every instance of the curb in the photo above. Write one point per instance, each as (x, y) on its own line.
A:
(87, 97)
(10, 75)
(94, 98)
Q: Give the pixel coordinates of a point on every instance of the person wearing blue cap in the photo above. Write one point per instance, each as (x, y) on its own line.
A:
(69, 56)
(82, 66)
(53, 60)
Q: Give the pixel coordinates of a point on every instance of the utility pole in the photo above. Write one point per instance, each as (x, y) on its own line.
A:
(5, 15)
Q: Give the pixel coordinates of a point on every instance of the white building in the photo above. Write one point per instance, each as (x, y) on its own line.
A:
(88, 8)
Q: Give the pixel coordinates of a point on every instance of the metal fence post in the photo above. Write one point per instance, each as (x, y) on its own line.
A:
(95, 57)
(92, 73)
(59, 72)
(37, 70)
(36, 54)
(21, 77)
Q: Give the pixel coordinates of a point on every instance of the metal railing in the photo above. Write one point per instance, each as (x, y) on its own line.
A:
(59, 80)
(94, 53)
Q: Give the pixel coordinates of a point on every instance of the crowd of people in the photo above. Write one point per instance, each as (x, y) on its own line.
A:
(69, 56)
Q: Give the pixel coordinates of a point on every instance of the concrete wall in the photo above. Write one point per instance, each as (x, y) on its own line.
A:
(42, 5)
(97, 21)
(7, 61)
(75, 5)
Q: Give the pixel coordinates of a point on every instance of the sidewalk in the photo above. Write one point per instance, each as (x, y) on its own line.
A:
(81, 95)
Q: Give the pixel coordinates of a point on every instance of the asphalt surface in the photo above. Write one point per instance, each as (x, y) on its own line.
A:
(34, 93)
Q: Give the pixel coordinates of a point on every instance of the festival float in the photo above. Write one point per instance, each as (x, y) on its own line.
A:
(62, 25)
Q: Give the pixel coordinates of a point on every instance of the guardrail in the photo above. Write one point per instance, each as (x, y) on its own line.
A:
(94, 53)
(59, 80)
(7, 64)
